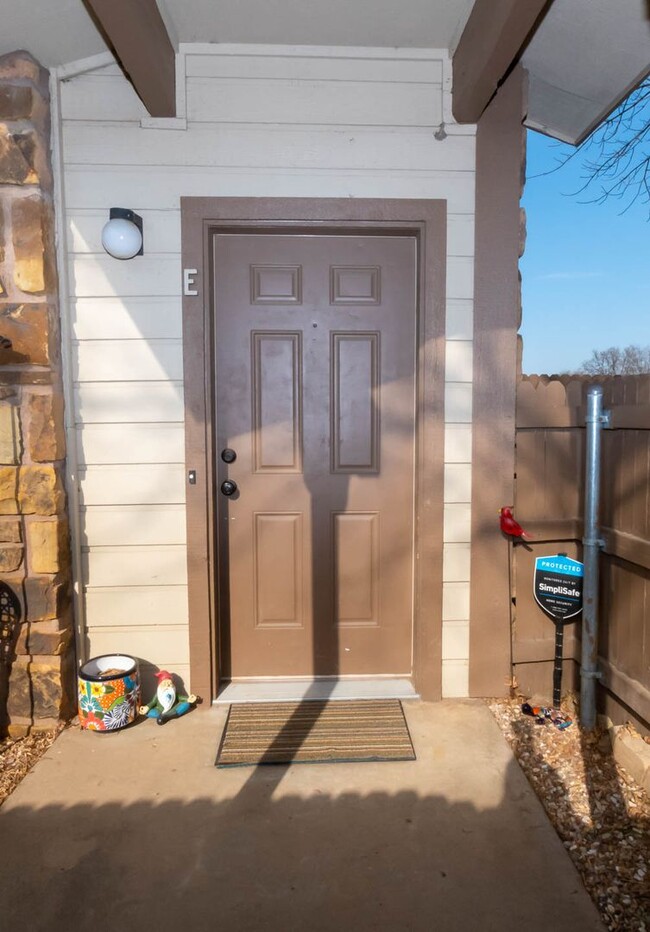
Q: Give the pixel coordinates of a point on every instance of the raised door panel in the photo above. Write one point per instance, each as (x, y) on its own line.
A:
(355, 403)
(277, 394)
(356, 567)
(278, 552)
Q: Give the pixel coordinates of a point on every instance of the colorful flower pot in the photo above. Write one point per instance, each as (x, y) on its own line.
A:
(109, 692)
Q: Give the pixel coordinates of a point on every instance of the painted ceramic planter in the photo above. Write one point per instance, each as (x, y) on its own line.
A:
(109, 692)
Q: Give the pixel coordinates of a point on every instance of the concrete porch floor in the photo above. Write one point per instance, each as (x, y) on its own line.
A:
(138, 830)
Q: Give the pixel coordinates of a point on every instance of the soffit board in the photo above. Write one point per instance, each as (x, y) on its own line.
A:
(584, 58)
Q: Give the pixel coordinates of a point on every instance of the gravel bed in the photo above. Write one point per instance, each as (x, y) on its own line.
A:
(601, 814)
(18, 756)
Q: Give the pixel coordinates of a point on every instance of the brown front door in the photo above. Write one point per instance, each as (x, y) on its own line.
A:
(315, 375)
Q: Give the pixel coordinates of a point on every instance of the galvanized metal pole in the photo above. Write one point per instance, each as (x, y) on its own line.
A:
(592, 544)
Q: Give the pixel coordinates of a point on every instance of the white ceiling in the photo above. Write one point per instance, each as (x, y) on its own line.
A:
(583, 59)
(54, 31)
(60, 31)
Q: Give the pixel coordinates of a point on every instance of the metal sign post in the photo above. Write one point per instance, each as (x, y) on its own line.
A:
(595, 421)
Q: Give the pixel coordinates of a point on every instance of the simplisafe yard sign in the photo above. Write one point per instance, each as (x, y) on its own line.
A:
(558, 586)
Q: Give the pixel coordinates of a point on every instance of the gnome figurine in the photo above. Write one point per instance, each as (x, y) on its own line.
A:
(166, 704)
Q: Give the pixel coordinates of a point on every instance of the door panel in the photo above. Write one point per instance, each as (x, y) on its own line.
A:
(277, 556)
(356, 564)
(355, 397)
(277, 392)
(315, 372)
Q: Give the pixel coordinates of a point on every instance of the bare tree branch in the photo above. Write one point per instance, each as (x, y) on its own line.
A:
(616, 157)
(632, 360)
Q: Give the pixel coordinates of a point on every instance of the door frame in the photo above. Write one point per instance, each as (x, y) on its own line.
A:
(427, 221)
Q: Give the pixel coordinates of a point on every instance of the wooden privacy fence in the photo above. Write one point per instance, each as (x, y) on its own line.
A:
(549, 490)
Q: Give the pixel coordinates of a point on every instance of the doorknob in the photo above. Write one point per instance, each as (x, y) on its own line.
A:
(228, 487)
(228, 455)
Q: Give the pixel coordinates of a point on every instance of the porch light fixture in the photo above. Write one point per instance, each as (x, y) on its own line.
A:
(122, 235)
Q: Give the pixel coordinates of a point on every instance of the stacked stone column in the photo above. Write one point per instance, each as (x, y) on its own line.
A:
(34, 538)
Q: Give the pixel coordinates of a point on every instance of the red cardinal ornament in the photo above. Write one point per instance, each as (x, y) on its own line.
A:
(511, 527)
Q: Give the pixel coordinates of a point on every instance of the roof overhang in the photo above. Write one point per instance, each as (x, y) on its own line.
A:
(582, 56)
(585, 58)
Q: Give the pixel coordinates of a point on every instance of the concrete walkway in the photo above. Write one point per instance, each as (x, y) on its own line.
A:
(138, 830)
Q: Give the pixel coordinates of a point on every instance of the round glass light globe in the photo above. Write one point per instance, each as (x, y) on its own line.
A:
(121, 239)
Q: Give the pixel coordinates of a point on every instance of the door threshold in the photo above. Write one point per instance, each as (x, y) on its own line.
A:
(305, 690)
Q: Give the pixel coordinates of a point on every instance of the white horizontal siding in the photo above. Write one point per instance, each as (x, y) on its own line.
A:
(134, 526)
(460, 277)
(460, 319)
(336, 147)
(102, 277)
(172, 646)
(460, 235)
(128, 403)
(145, 188)
(138, 605)
(135, 566)
(381, 69)
(126, 317)
(99, 444)
(144, 484)
(262, 122)
(260, 100)
(129, 360)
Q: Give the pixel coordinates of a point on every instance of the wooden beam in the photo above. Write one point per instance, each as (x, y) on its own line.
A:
(490, 45)
(135, 31)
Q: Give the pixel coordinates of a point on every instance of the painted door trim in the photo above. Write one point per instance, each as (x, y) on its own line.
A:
(425, 219)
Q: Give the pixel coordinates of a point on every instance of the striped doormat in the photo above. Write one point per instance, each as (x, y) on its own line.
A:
(313, 732)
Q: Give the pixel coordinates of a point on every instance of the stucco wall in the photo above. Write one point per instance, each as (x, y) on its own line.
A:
(261, 121)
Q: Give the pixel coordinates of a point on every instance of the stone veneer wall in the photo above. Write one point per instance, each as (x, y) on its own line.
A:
(34, 538)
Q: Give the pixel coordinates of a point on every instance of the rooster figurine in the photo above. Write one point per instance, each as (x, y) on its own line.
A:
(510, 527)
(166, 704)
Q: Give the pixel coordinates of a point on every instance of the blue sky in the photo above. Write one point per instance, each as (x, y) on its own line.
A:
(586, 269)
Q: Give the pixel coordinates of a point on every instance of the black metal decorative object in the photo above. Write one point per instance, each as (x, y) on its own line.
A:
(10, 618)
